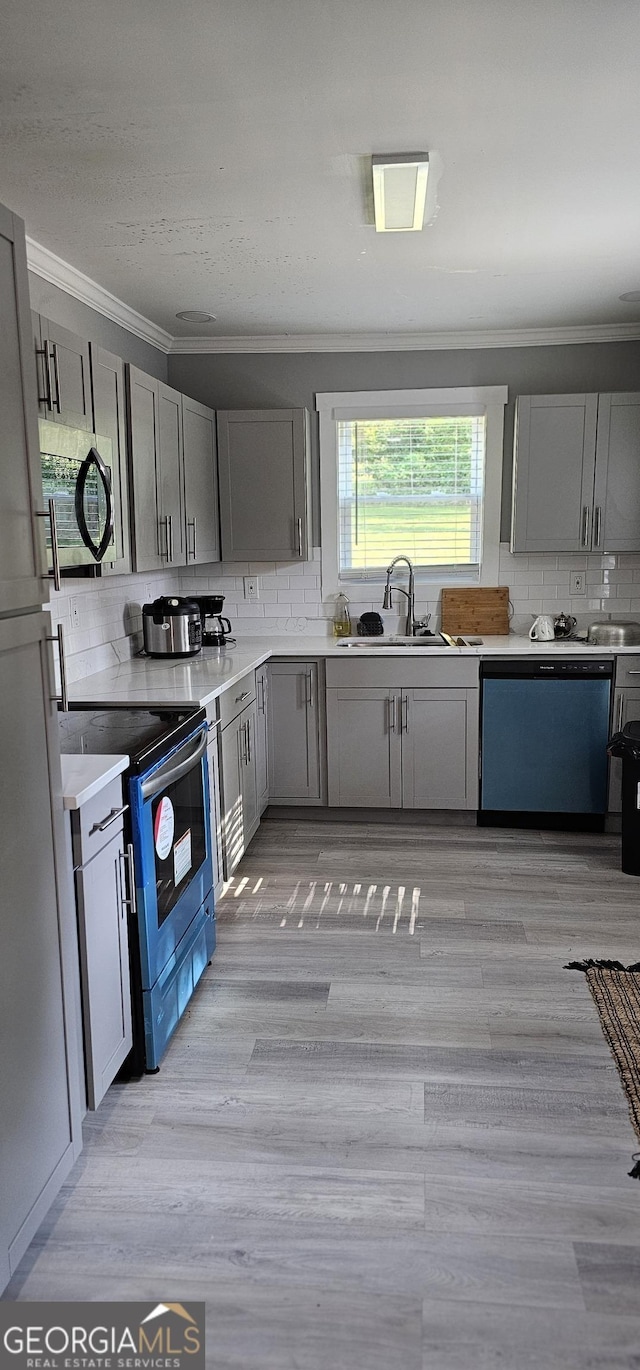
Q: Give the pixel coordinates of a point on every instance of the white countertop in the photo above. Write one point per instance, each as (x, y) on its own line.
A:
(85, 776)
(200, 679)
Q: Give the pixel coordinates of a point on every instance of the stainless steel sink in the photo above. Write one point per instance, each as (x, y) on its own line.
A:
(400, 643)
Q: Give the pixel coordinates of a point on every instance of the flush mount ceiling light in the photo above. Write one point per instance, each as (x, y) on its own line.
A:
(630, 297)
(399, 191)
(195, 316)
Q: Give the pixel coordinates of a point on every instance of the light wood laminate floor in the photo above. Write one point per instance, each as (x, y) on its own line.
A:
(388, 1134)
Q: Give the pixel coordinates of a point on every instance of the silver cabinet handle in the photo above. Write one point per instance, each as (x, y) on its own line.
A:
(56, 372)
(170, 538)
(249, 752)
(585, 526)
(50, 514)
(618, 726)
(111, 818)
(163, 521)
(299, 533)
(633, 672)
(391, 713)
(312, 697)
(192, 523)
(211, 727)
(130, 879)
(45, 353)
(597, 525)
(239, 698)
(243, 749)
(63, 698)
(405, 711)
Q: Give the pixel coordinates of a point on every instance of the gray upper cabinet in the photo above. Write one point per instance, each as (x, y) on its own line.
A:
(173, 476)
(576, 481)
(171, 507)
(201, 508)
(149, 553)
(23, 576)
(264, 484)
(295, 724)
(63, 370)
(110, 421)
(554, 462)
(616, 521)
(40, 1132)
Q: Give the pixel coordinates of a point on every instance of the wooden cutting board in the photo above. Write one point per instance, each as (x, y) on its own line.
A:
(481, 610)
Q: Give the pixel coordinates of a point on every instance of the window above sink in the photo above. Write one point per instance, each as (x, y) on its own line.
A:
(416, 472)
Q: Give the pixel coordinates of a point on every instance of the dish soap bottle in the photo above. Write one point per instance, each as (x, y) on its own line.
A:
(341, 617)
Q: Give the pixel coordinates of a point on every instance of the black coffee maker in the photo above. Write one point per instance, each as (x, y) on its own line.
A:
(216, 630)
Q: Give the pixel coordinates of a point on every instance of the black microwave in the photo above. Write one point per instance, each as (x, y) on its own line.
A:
(77, 476)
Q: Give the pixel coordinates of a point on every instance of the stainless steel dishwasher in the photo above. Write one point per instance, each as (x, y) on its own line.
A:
(544, 732)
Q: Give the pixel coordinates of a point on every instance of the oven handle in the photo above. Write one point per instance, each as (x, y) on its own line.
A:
(174, 770)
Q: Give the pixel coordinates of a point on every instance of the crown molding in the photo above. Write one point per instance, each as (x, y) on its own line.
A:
(60, 273)
(411, 342)
(53, 269)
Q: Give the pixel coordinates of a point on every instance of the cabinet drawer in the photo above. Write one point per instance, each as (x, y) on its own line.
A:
(237, 698)
(628, 670)
(97, 822)
(403, 672)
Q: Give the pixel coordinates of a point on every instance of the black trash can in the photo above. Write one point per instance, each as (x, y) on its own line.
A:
(627, 745)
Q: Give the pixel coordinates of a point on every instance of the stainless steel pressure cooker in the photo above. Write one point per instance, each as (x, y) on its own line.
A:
(171, 626)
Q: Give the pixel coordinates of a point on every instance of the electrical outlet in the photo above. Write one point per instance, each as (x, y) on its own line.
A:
(74, 610)
(148, 593)
(251, 587)
(577, 583)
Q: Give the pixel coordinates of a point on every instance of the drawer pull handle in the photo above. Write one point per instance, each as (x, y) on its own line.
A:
(245, 695)
(111, 818)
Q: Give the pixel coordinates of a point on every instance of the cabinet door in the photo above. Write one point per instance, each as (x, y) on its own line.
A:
(213, 761)
(363, 748)
(440, 749)
(626, 707)
(104, 961)
(170, 468)
(262, 737)
(294, 733)
(616, 515)
(202, 513)
(264, 489)
(247, 745)
(40, 1071)
(553, 473)
(149, 548)
(67, 376)
(23, 579)
(232, 740)
(109, 417)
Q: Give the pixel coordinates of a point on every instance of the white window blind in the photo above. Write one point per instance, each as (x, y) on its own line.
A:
(412, 485)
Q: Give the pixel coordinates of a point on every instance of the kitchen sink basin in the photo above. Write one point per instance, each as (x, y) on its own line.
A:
(416, 643)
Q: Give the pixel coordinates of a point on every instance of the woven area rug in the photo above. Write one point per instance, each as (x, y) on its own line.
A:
(616, 993)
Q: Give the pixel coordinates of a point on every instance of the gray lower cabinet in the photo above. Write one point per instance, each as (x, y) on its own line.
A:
(626, 708)
(102, 893)
(23, 575)
(262, 737)
(263, 467)
(394, 742)
(40, 1067)
(213, 763)
(64, 379)
(296, 730)
(576, 481)
(239, 808)
(110, 421)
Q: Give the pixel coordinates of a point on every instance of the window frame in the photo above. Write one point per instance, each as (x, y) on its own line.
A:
(382, 404)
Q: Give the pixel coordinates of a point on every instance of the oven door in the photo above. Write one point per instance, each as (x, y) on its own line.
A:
(172, 849)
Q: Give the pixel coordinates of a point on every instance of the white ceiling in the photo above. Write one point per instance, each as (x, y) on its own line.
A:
(211, 155)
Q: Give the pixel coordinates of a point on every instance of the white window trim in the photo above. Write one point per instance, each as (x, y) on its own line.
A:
(371, 404)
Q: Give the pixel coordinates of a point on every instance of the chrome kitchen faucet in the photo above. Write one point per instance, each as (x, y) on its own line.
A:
(411, 624)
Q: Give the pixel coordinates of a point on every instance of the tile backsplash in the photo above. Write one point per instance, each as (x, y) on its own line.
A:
(103, 619)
